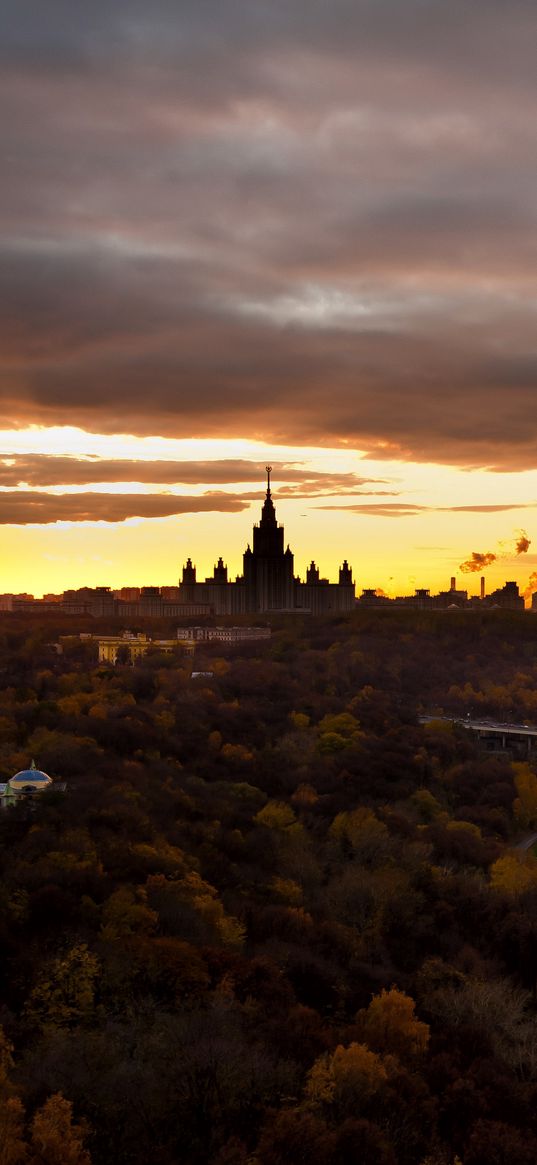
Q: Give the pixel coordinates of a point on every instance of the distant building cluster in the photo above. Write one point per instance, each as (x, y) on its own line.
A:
(102, 602)
(507, 597)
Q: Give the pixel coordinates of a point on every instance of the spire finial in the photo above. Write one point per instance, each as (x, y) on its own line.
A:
(268, 516)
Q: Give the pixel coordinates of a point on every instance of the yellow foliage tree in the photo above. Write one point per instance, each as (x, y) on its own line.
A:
(159, 855)
(299, 720)
(276, 815)
(75, 704)
(525, 805)
(237, 753)
(305, 796)
(13, 1149)
(391, 1025)
(361, 830)
(12, 1144)
(344, 723)
(464, 827)
(65, 990)
(55, 1138)
(287, 891)
(173, 895)
(346, 1079)
(514, 873)
(126, 912)
(206, 902)
(426, 804)
(98, 711)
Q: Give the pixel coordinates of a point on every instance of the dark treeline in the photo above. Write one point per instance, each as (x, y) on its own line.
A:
(272, 919)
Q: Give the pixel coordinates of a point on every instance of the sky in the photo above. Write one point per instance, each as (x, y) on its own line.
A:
(294, 232)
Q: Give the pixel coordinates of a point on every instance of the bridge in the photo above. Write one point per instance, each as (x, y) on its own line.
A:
(520, 739)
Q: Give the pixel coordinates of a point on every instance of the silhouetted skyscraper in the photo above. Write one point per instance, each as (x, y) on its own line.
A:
(268, 582)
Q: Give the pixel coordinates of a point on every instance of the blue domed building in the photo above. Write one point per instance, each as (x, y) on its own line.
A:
(25, 784)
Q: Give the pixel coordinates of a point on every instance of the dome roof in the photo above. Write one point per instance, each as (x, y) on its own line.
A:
(30, 777)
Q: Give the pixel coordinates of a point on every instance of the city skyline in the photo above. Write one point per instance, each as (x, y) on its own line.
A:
(290, 234)
(476, 565)
(374, 533)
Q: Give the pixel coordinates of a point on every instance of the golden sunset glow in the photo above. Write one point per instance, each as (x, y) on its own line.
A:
(401, 524)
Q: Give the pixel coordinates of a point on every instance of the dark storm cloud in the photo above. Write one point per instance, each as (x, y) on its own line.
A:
(25, 507)
(300, 222)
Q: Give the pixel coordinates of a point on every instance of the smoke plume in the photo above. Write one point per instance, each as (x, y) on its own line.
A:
(477, 562)
(532, 585)
(523, 543)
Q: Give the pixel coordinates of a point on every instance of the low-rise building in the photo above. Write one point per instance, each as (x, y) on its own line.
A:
(128, 647)
(25, 785)
(222, 634)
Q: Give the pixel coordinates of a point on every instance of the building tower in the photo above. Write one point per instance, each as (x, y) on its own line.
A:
(268, 582)
(345, 576)
(220, 572)
(312, 574)
(268, 569)
(188, 582)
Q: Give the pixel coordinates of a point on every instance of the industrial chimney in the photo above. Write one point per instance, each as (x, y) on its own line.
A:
(453, 583)
(482, 586)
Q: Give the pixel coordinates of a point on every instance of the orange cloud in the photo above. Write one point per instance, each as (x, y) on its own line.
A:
(25, 507)
(49, 470)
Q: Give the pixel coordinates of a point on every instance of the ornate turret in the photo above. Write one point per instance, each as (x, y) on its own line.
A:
(220, 572)
(189, 572)
(188, 582)
(345, 574)
(312, 574)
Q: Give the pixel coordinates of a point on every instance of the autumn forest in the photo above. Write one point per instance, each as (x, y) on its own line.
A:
(268, 916)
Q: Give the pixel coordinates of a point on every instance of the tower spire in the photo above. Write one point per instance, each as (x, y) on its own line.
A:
(268, 515)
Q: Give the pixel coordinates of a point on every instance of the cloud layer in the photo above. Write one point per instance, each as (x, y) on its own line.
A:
(411, 509)
(26, 507)
(296, 221)
(39, 469)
